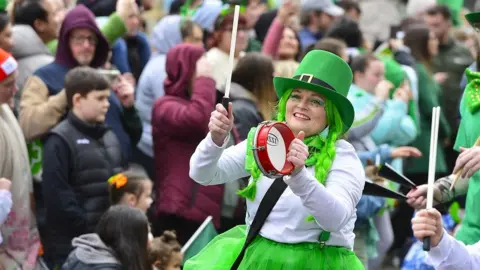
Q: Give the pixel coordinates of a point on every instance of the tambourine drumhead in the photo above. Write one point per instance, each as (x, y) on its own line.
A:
(271, 143)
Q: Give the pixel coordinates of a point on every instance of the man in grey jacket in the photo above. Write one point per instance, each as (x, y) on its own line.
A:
(37, 23)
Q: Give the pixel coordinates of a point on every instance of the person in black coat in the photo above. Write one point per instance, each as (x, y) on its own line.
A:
(119, 242)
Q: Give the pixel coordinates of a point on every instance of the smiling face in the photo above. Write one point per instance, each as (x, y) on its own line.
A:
(305, 111)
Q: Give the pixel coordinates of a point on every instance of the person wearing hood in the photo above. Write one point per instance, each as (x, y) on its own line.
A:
(168, 33)
(44, 103)
(115, 245)
(179, 122)
(36, 29)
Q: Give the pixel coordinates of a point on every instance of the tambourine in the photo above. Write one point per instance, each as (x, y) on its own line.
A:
(270, 148)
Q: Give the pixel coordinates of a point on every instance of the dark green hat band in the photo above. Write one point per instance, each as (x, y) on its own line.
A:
(311, 79)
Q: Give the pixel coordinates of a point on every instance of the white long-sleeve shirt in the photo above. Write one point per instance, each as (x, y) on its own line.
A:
(332, 205)
(452, 254)
(5, 208)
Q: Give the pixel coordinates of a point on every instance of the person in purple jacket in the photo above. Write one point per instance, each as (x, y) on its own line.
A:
(179, 123)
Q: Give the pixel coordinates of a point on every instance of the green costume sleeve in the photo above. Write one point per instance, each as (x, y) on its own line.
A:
(469, 129)
(113, 29)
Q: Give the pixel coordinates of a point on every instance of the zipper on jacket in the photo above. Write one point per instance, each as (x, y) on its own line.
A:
(107, 157)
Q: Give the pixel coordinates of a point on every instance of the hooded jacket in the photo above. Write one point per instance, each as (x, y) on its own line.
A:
(80, 17)
(179, 123)
(91, 253)
(38, 116)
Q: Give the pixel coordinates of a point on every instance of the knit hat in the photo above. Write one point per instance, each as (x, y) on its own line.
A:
(8, 65)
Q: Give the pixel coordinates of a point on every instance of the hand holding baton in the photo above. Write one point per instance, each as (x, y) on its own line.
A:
(432, 166)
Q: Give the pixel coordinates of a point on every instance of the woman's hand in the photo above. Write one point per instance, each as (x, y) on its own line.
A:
(469, 160)
(221, 123)
(382, 90)
(298, 152)
(403, 93)
(405, 151)
(428, 223)
(288, 10)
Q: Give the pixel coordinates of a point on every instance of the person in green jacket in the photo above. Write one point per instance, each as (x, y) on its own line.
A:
(468, 160)
(424, 46)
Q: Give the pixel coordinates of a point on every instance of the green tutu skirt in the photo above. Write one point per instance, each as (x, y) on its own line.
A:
(222, 251)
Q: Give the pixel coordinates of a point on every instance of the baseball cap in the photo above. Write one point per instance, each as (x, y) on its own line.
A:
(326, 6)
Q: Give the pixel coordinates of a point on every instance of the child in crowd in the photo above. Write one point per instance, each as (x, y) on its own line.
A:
(132, 187)
(164, 252)
(119, 242)
(79, 155)
(5, 201)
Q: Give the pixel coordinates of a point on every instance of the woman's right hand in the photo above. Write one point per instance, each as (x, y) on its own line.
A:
(428, 223)
(288, 10)
(405, 151)
(382, 90)
(221, 123)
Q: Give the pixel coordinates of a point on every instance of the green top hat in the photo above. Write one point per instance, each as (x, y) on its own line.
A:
(326, 74)
(474, 19)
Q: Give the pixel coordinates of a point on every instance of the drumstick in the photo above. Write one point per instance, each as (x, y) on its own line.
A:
(459, 173)
(226, 97)
(432, 166)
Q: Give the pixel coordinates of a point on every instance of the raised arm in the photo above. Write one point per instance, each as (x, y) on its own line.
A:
(210, 165)
(213, 165)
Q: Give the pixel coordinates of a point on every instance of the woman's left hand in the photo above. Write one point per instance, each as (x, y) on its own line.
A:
(298, 152)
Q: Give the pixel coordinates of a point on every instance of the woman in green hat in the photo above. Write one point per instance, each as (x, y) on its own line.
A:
(311, 225)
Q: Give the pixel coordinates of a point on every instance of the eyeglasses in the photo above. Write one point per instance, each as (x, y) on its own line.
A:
(80, 40)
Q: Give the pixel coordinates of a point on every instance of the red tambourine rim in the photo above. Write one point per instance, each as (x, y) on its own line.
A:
(261, 155)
